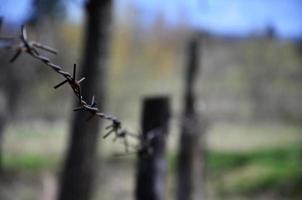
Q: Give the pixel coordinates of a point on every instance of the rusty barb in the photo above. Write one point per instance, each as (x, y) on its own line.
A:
(33, 49)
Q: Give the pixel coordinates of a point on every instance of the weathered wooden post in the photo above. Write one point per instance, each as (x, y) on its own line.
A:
(151, 166)
(189, 155)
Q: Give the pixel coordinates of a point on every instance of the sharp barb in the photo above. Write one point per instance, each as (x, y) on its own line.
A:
(82, 79)
(100, 114)
(34, 51)
(93, 109)
(25, 42)
(44, 47)
(23, 31)
(80, 97)
(17, 54)
(74, 71)
(83, 102)
(107, 134)
(109, 127)
(45, 59)
(92, 101)
(60, 84)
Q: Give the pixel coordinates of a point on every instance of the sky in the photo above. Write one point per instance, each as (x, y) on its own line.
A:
(231, 17)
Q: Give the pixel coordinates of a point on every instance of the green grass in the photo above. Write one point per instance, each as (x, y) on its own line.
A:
(280, 178)
(275, 169)
(226, 160)
(29, 162)
(241, 159)
(271, 169)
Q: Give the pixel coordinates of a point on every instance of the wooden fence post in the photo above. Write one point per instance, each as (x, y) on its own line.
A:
(190, 156)
(151, 166)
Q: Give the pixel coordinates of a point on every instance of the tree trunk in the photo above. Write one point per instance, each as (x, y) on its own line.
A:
(9, 90)
(190, 129)
(151, 166)
(79, 171)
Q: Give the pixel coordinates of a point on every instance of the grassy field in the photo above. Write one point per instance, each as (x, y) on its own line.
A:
(268, 170)
(243, 161)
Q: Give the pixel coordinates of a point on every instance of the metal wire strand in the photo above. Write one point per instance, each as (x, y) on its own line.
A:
(32, 48)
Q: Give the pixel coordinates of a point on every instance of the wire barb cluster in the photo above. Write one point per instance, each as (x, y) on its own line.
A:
(32, 48)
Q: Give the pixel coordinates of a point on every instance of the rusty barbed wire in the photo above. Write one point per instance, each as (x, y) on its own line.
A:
(32, 48)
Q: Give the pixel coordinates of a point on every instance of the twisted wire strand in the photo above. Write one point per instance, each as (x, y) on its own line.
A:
(31, 48)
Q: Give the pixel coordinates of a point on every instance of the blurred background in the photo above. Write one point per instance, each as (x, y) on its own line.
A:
(248, 92)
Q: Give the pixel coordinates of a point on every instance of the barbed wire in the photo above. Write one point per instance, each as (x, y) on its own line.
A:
(144, 147)
(32, 48)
